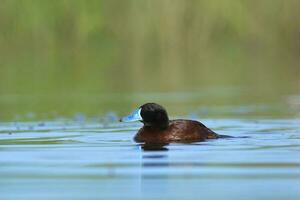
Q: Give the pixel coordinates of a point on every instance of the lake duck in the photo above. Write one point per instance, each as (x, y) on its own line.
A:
(158, 129)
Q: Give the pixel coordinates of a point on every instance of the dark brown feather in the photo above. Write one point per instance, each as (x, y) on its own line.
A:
(178, 131)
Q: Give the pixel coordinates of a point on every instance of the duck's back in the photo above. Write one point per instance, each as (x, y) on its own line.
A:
(178, 131)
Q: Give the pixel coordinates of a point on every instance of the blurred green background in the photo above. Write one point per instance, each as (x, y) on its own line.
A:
(60, 57)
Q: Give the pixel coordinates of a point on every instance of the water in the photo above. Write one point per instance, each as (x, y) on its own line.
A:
(80, 159)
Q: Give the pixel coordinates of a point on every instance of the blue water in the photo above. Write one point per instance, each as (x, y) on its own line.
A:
(71, 159)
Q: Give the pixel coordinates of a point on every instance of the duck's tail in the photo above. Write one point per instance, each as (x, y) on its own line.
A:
(213, 135)
(224, 136)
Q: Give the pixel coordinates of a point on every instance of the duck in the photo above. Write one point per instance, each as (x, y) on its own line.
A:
(159, 129)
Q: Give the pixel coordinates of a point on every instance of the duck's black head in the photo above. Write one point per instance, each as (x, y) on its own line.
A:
(151, 114)
(154, 115)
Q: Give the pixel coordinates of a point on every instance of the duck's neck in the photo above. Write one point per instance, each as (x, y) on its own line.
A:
(160, 126)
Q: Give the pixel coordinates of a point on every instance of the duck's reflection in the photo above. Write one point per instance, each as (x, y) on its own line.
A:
(154, 146)
(154, 165)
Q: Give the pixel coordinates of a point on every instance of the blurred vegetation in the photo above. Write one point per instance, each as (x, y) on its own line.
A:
(85, 55)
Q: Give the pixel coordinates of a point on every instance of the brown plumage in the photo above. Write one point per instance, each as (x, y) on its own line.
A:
(179, 130)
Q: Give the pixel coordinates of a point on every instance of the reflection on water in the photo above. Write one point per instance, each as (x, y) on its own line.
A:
(72, 159)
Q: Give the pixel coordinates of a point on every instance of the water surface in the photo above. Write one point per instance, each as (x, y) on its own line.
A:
(80, 159)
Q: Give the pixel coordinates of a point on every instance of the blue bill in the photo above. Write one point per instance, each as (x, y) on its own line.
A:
(134, 116)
